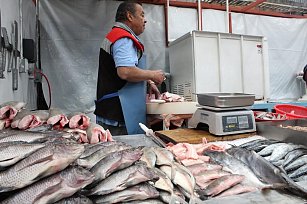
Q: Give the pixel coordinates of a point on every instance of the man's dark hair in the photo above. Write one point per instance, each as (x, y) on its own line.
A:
(305, 73)
(123, 9)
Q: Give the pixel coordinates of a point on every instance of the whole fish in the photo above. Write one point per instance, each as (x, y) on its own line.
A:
(221, 184)
(10, 109)
(164, 183)
(197, 169)
(252, 143)
(147, 201)
(91, 160)
(180, 176)
(115, 161)
(293, 155)
(208, 176)
(125, 178)
(263, 169)
(53, 188)
(237, 189)
(91, 148)
(267, 151)
(297, 163)
(237, 167)
(75, 199)
(149, 157)
(44, 162)
(134, 193)
(164, 156)
(299, 172)
(14, 152)
(280, 151)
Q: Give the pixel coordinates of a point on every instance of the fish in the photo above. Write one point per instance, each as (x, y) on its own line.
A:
(138, 192)
(299, 172)
(180, 176)
(10, 109)
(164, 183)
(78, 120)
(164, 156)
(53, 188)
(29, 119)
(267, 172)
(293, 155)
(124, 178)
(96, 133)
(237, 189)
(252, 143)
(149, 157)
(197, 169)
(114, 162)
(91, 148)
(25, 137)
(280, 151)
(44, 162)
(206, 176)
(267, 151)
(237, 167)
(221, 184)
(91, 160)
(14, 152)
(57, 118)
(263, 169)
(75, 199)
(297, 163)
(147, 201)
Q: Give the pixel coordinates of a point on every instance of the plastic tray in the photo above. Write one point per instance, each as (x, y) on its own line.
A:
(225, 100)
(292, 111)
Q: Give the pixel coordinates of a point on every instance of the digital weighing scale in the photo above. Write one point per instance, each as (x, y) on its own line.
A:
(224, 117)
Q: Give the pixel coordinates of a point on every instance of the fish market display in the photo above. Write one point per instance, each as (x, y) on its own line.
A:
(14, 115)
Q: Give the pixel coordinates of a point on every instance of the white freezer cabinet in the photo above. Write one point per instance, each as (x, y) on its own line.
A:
(211, 62)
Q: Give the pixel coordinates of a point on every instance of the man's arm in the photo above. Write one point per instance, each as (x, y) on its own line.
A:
(135, 74)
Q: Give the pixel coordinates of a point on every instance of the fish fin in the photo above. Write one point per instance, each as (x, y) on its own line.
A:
(6, 189)
(42, 160)
(49, 191)
(176, 199)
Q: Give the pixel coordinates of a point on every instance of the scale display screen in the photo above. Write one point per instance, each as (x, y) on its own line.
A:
(237, 123)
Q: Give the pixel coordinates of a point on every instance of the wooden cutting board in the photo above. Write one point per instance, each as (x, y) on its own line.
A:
(194, 136)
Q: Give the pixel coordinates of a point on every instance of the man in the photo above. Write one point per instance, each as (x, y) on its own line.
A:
(121, 85)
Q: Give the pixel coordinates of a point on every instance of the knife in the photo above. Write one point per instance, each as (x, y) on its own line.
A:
(150, 133)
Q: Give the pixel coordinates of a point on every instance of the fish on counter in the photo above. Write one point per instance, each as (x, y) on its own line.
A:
(57, 118)
(78, 120)
(29, 119)
(46, 161)
(96, 133)
(10, 109)
(123, 179)
(135, 193)
(54, 188)
(75, 199)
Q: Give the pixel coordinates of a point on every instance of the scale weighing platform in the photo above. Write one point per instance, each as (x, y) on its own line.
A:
(224, 121)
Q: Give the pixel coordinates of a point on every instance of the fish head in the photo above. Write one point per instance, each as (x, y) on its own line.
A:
(74, 150)
(77, 177)
(132, 154)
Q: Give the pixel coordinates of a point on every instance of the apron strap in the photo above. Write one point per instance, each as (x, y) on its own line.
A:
(111, 95)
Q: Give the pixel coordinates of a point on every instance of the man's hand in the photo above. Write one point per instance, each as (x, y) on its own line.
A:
(157, 76)
(153, 89)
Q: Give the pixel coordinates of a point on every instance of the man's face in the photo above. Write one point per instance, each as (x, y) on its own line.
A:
(137, 20)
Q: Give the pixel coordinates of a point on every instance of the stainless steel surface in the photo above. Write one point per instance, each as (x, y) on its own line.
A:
(225, 100)
(150, 133)
(273, 130)
(136, 140)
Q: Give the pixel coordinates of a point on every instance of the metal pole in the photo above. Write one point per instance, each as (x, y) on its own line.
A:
(199, 15)
(227, 16)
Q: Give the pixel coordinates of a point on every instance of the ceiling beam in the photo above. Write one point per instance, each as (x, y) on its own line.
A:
(237, 9)
(252, 5)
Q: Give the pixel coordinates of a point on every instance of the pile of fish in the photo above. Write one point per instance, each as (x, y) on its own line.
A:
(52, 167)
(14, 115)
(269, 116)
(290, 158)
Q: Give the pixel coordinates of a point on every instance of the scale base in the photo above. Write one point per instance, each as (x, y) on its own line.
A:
(224, 122)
